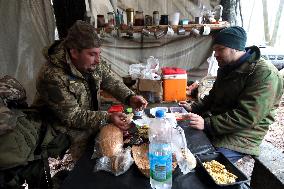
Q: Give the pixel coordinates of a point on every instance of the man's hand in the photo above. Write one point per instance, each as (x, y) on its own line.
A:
(186, 105)
(120, 120)
(138, 102)
(196, 121)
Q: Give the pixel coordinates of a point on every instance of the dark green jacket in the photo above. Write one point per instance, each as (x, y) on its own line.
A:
(242, 105)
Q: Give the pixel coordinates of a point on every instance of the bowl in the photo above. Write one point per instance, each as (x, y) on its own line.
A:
(178, 112)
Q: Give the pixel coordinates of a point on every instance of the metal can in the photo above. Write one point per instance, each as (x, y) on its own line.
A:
(156, 18)
(130, 16)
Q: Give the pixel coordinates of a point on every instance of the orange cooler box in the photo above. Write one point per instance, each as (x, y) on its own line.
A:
(174, 84)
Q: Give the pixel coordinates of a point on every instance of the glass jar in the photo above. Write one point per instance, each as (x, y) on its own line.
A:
(130, 16)
(110, 18)
(148, 20)
(139, 18)
(156, 18)
(100, 21)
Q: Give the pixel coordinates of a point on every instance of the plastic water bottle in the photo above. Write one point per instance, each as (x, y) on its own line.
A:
(160, 152)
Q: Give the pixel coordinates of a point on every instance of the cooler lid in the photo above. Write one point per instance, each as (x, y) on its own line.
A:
(172, 71)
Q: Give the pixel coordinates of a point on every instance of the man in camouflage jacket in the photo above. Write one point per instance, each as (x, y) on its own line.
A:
(241, 105)
(68, 87)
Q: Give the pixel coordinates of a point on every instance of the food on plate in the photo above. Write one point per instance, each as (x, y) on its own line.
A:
(140, 156)
(219, 173)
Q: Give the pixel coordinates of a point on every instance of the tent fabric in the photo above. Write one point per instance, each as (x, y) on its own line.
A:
(187, 52)
(26, 27)
(179, 51)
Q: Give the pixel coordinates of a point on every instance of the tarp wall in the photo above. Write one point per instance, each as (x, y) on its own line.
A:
(26, 27)
(185, 52)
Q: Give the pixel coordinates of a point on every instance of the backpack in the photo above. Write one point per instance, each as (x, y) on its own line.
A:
(25, 141)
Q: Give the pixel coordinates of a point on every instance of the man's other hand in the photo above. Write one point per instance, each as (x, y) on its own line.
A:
(196, 121)
(120, 120)
(186, 105)
(138, 102)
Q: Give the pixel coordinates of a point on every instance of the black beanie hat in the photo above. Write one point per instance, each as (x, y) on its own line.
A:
(234, 37)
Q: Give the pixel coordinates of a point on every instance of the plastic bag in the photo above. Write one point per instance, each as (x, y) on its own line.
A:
(148, 71)
(117, 164)
(151, 69)
(186, 160)
(109, 151)
(213, 65)
(135, 70)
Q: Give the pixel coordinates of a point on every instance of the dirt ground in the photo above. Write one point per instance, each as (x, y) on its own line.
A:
(274, 136)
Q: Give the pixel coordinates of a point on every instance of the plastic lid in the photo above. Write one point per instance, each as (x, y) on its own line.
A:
(160, 113)
(172, 70)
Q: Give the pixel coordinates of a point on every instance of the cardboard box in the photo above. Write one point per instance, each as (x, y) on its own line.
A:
(151, 90)
(150, 85)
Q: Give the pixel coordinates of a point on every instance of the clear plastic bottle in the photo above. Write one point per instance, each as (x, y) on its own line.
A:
(160, 152)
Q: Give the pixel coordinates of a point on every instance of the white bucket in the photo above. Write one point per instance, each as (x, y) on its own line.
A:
(174, 19)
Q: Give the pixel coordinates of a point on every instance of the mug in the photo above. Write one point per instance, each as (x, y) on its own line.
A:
(205, 30)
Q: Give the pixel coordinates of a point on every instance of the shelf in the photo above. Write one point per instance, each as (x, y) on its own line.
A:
(138, 29)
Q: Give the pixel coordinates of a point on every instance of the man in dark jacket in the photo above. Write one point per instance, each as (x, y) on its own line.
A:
(241, 105)
(69, 84)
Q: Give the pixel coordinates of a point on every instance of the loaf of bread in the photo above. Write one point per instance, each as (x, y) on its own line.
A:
(110, 140)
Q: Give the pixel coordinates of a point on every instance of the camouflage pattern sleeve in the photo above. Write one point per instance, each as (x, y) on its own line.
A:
(64, 105)
(7, 119)
(112, 84)
(11, 89)
(261, 95)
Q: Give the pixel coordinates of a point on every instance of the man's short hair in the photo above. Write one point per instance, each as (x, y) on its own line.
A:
(82, 36)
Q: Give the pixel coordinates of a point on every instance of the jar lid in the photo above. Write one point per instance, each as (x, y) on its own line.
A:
(110, 13)
(129, 10)
(155, 12)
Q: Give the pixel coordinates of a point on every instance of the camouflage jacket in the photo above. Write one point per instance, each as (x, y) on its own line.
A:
(242, 105)
(19, 132)
(64, 94)
(12, 93)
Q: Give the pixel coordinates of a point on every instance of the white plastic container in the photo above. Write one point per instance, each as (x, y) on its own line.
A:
(174, 18)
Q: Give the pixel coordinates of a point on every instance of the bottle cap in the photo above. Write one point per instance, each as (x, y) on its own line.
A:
(160, 113)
